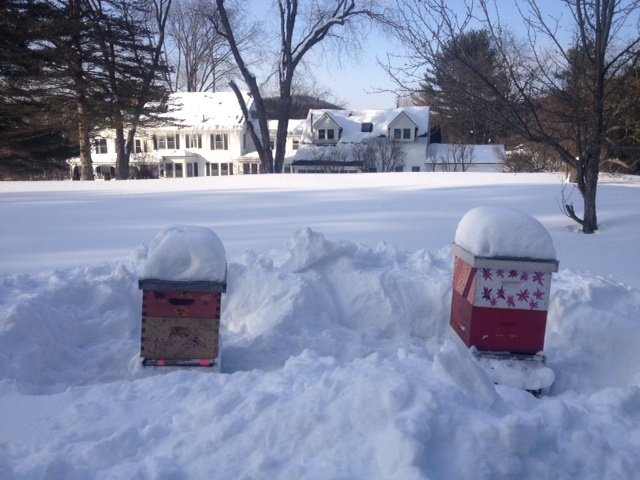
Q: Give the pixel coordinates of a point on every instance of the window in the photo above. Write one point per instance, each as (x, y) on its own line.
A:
(406, 134)
(169, 169)
(296, 144)
(219, 141)
(179, 173)
(101, 145)
(215, 169)
(189, 169)
(224, 168)
(168, 142)
(193, 140)
(140, 146)
(415, 169)
(397, 133)
(326, 134)
(366, 127)
(250, 168)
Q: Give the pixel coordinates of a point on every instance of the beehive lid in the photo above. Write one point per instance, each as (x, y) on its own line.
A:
(500, 232)
(186, 253)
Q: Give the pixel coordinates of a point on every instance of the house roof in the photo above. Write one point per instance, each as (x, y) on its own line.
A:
(294, 128)
(206, 110)
(350, 121)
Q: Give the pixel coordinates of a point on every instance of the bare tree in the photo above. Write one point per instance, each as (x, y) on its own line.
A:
(301, 28)
(379, 155)
(450, 158)
(365, 154)
(201, 59)
(564, 96)
(530, 157)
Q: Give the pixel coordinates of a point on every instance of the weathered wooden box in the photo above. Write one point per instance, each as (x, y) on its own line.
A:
(181, 322)
(500, 304)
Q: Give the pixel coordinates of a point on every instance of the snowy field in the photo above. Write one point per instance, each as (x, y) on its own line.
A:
(336, 362)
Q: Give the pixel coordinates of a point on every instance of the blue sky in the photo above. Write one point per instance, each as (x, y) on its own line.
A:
(362, 84)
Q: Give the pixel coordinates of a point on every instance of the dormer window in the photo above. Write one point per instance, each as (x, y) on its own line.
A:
(326, 134)
(366, 127)
(402, 134)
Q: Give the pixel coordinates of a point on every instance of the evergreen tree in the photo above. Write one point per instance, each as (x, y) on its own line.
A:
(450, 83)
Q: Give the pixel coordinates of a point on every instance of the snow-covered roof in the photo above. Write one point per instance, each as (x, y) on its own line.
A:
(295, 126)
(351, 121)
(206, 110)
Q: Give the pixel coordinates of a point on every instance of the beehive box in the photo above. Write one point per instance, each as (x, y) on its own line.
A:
(500, 304)
(180, 322)
(182, 283)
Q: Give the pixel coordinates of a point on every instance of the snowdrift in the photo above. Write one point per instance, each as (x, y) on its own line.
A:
(336, 364)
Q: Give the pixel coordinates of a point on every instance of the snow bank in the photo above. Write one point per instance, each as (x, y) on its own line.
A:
(186, 253)
(504, 232)
(336, 359)
(336, 364)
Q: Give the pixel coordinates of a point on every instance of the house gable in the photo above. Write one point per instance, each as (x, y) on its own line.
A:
(403, 128)
(326, 130)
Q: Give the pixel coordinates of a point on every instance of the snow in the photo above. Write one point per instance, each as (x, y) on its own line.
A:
(336, 358)
(504, 232)
(205, 110)
(186, 253)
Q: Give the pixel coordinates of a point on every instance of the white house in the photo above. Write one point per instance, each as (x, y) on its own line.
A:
(204, 134)
(338, 140)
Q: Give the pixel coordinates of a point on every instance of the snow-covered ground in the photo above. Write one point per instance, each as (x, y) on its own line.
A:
(336, 362)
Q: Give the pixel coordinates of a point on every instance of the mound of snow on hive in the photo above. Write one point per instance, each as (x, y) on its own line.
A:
(504, 232)
(186, 253)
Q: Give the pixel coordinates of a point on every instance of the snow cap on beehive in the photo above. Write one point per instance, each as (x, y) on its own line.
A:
(504, 232)
(186, 253)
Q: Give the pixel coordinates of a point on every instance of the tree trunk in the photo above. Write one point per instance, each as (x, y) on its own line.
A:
(122, 163)
(590, 219)
(281, 135)
(81, 92)
(85, 143)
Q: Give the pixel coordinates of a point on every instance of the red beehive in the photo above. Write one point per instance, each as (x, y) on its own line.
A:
(183, 281)
(499, 302)
(180, 322)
